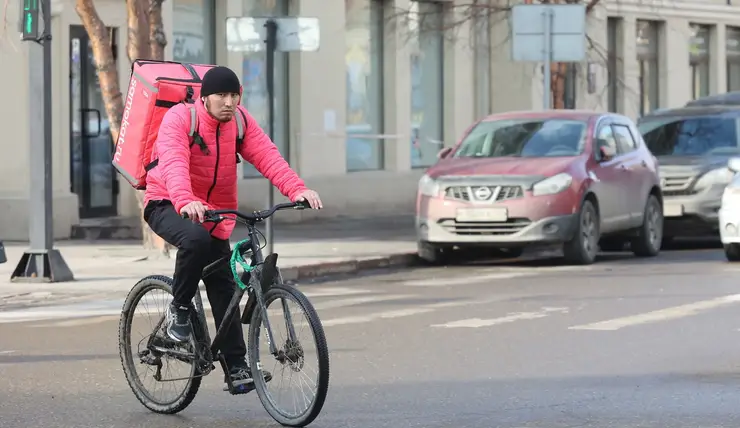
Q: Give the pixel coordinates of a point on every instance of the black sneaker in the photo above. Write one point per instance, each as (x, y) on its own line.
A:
(178, 322)
(241, 376)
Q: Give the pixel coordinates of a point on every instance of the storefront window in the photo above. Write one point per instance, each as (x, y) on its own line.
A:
(647, 59)
(193, 31)
(254, 81)
(699, 61)
(733, 59)
(364, 62)
(427, 64)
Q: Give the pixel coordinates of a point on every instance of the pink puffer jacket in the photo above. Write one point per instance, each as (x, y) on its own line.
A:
(185, 174)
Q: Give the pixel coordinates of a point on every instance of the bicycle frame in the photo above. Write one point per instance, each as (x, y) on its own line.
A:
(259, 280)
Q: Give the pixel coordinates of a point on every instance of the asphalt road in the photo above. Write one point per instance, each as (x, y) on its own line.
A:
(622, 343)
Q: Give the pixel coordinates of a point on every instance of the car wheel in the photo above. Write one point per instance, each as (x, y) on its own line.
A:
(732, 252)
(584, 245)
(650, 235)
(432, 254)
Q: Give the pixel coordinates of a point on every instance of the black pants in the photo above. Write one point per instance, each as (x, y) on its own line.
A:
(196, 249)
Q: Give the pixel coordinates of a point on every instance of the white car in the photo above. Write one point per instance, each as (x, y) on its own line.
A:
(729, 214)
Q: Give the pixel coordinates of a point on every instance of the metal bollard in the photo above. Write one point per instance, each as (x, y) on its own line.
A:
(3, 258)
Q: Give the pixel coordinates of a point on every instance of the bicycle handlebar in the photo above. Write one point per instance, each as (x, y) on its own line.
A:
(216, 216)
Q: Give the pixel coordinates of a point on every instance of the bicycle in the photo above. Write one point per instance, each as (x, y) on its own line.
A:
(262, 280)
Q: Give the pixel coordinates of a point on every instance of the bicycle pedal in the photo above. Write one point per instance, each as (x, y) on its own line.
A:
(240, 389)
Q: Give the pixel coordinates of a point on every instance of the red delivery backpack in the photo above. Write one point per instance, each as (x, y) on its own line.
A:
(155, 87)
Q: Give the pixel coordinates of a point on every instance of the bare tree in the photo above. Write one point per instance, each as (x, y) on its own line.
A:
(146, 40)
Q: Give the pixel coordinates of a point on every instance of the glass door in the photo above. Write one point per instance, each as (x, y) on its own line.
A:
(93, 177)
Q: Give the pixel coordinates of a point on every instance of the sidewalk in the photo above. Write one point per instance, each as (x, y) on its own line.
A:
(108, 269)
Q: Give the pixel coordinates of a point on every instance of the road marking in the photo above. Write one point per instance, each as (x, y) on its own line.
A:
(78, 321)
(7, 352)
(660, 315)
(331, 304)
(332, 291)
(467, 279)
(509, 318)
(379, 315)
(408, 311)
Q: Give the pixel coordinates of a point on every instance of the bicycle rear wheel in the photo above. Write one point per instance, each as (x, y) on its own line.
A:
(290, 364)
(183, 385)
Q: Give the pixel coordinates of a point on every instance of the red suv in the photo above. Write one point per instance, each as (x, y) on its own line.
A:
(579, 180)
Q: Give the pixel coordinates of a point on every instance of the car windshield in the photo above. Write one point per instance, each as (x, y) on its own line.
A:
(524, 138)
(690, 136)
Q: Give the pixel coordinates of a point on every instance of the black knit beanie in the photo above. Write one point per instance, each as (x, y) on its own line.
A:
(219, 80)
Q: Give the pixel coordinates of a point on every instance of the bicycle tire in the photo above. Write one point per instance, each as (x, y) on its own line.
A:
(308, 416)
(124, 345)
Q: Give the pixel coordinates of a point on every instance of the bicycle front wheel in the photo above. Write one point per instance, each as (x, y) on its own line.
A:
(301, 363)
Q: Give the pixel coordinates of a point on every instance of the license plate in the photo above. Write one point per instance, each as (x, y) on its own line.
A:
(482, 214)
(672, 210)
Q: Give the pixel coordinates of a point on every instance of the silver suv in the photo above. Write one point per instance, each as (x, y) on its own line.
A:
(693, 145)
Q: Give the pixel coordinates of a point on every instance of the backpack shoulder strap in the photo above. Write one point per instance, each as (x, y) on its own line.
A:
(193, 121)
(241, 124)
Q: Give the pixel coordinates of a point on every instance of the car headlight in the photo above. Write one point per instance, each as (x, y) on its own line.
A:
(716, 176)
(428, 186)
(551, 185)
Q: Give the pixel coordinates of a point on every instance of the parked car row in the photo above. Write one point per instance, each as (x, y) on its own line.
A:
(584, 181)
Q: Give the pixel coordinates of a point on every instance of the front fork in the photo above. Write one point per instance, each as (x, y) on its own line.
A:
(260, 283)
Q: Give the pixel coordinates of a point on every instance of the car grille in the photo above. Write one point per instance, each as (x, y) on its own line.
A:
(677, 186)
(477, 194)
(503, 228)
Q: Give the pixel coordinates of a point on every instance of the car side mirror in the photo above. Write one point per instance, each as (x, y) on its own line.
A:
(444, 152)
(606, 152)
(734, 164)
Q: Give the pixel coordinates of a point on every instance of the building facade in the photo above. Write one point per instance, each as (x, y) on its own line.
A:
(361, 118)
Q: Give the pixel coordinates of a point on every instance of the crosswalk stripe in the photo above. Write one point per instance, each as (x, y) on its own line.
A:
(312, 292)
(666, 314)
(332, 304)
(467, 279)
(509, 318)
(358, 319)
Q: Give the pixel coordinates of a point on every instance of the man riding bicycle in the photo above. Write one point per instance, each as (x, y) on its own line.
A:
(192, 178)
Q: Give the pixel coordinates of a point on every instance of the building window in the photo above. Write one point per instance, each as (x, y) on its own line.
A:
(733, 58)
(699, 60)
(193, 31)
(426, 27)
(254, 81)
(647, 59)
(612, 37)
(482, 63)
(364, 62)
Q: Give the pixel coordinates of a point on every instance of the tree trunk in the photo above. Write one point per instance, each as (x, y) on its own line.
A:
(157, 38)
(138, 29)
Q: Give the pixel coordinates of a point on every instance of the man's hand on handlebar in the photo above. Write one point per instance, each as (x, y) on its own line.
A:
(311, 197)
(195, 210)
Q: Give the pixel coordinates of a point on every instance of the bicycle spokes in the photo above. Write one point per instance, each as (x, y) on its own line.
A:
(160, 362)
(294, 365)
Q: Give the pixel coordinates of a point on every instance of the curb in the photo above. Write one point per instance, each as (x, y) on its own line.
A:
(319, 270)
